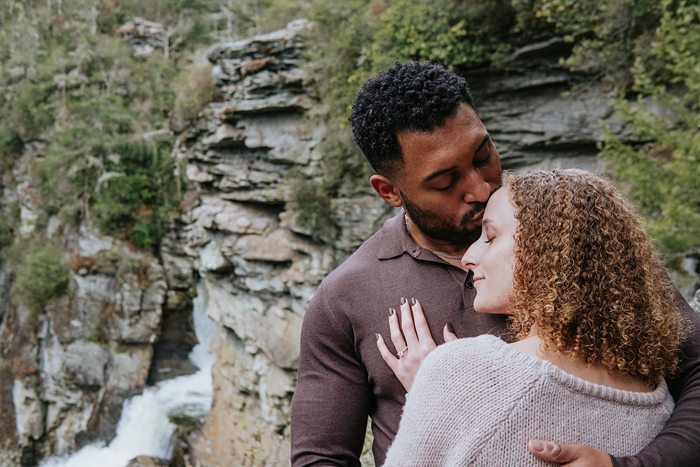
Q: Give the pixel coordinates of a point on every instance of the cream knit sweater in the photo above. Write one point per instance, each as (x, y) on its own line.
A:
(478, 401)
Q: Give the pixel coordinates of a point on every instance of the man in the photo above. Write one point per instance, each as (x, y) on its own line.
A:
(416, 124)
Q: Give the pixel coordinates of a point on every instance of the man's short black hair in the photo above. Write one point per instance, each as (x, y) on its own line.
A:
(404, 97)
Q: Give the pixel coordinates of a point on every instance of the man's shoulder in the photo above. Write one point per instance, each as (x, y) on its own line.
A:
(356, 266)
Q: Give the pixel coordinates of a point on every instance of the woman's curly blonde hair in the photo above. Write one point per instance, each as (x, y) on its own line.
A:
(588, 278)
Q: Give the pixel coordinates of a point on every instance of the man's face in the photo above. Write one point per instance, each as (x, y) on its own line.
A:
(448, 176)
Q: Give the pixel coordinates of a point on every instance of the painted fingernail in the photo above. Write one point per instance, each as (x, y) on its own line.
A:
(403, 300)
(377, 336)
(537, 446)
(450, 328)
(413, 301)
(391, 312)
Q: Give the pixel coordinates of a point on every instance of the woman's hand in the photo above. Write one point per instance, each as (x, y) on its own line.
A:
(412, 341)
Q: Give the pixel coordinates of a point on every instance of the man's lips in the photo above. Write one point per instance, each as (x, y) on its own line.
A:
(477, 278)
(478, 216)
(475, 213)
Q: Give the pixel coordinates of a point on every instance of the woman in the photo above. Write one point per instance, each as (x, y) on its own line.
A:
(563, 254)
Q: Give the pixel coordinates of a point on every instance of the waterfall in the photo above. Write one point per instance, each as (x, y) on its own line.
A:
(144, 427)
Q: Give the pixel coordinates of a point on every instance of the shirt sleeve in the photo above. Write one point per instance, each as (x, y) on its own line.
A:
(332, 398)
(678, 444)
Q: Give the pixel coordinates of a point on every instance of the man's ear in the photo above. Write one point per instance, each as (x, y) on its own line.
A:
(386, 189)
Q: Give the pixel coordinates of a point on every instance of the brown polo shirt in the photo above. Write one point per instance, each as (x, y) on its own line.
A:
(342, 377)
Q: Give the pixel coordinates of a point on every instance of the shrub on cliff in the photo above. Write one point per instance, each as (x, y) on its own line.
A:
(134, 198)
(41, 277)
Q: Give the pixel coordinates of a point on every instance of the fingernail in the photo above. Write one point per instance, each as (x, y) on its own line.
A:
(403, 300)
(537, 446)
(413, 301)
(377, 336)
(391, 312)
(450, 328)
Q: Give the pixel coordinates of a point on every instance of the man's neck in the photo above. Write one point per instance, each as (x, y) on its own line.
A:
(447, 251)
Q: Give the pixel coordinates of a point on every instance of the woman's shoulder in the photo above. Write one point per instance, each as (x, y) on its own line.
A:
(484, 346)
(485, 354)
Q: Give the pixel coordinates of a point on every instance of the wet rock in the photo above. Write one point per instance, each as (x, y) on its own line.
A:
(148, 461)
(84, 364)
(29, 409)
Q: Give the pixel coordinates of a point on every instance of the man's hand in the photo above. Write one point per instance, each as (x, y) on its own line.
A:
(572, 455)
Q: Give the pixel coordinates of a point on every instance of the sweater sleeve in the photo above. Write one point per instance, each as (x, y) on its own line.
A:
(332, 398)
(678, 444)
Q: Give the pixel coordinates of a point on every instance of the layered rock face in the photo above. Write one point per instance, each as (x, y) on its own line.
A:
(259, 267)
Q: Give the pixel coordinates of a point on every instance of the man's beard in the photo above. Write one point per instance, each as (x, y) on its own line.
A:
(439, 228)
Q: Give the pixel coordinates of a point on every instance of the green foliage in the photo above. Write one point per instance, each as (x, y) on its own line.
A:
(194, 88)
(457, 34)
(136, 202)
(29, 109)
(336, 59)
(41, 277)
(10, 150)
(9, 219)
(663, 171)
(607, 34)
(352, 40)
(82, 92)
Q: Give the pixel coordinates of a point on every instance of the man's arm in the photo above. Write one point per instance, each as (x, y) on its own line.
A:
(332, 398)
(678, 444)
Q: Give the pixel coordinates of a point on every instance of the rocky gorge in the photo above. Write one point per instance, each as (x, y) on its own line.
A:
(237, 245)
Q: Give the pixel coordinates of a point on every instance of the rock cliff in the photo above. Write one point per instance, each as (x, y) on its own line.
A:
(259, 267)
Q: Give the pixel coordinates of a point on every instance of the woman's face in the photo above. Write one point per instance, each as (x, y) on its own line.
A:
(491, 258)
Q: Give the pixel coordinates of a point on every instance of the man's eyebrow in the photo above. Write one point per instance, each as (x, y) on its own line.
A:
(437, 173)
(486, 139)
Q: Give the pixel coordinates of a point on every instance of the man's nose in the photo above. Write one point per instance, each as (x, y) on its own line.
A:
(476, 189)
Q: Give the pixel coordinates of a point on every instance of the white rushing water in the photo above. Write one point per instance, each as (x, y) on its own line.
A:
(144, 428)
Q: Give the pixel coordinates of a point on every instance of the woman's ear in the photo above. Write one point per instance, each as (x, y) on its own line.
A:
(386, 190)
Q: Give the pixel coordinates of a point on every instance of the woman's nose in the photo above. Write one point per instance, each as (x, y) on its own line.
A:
(469, 260)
